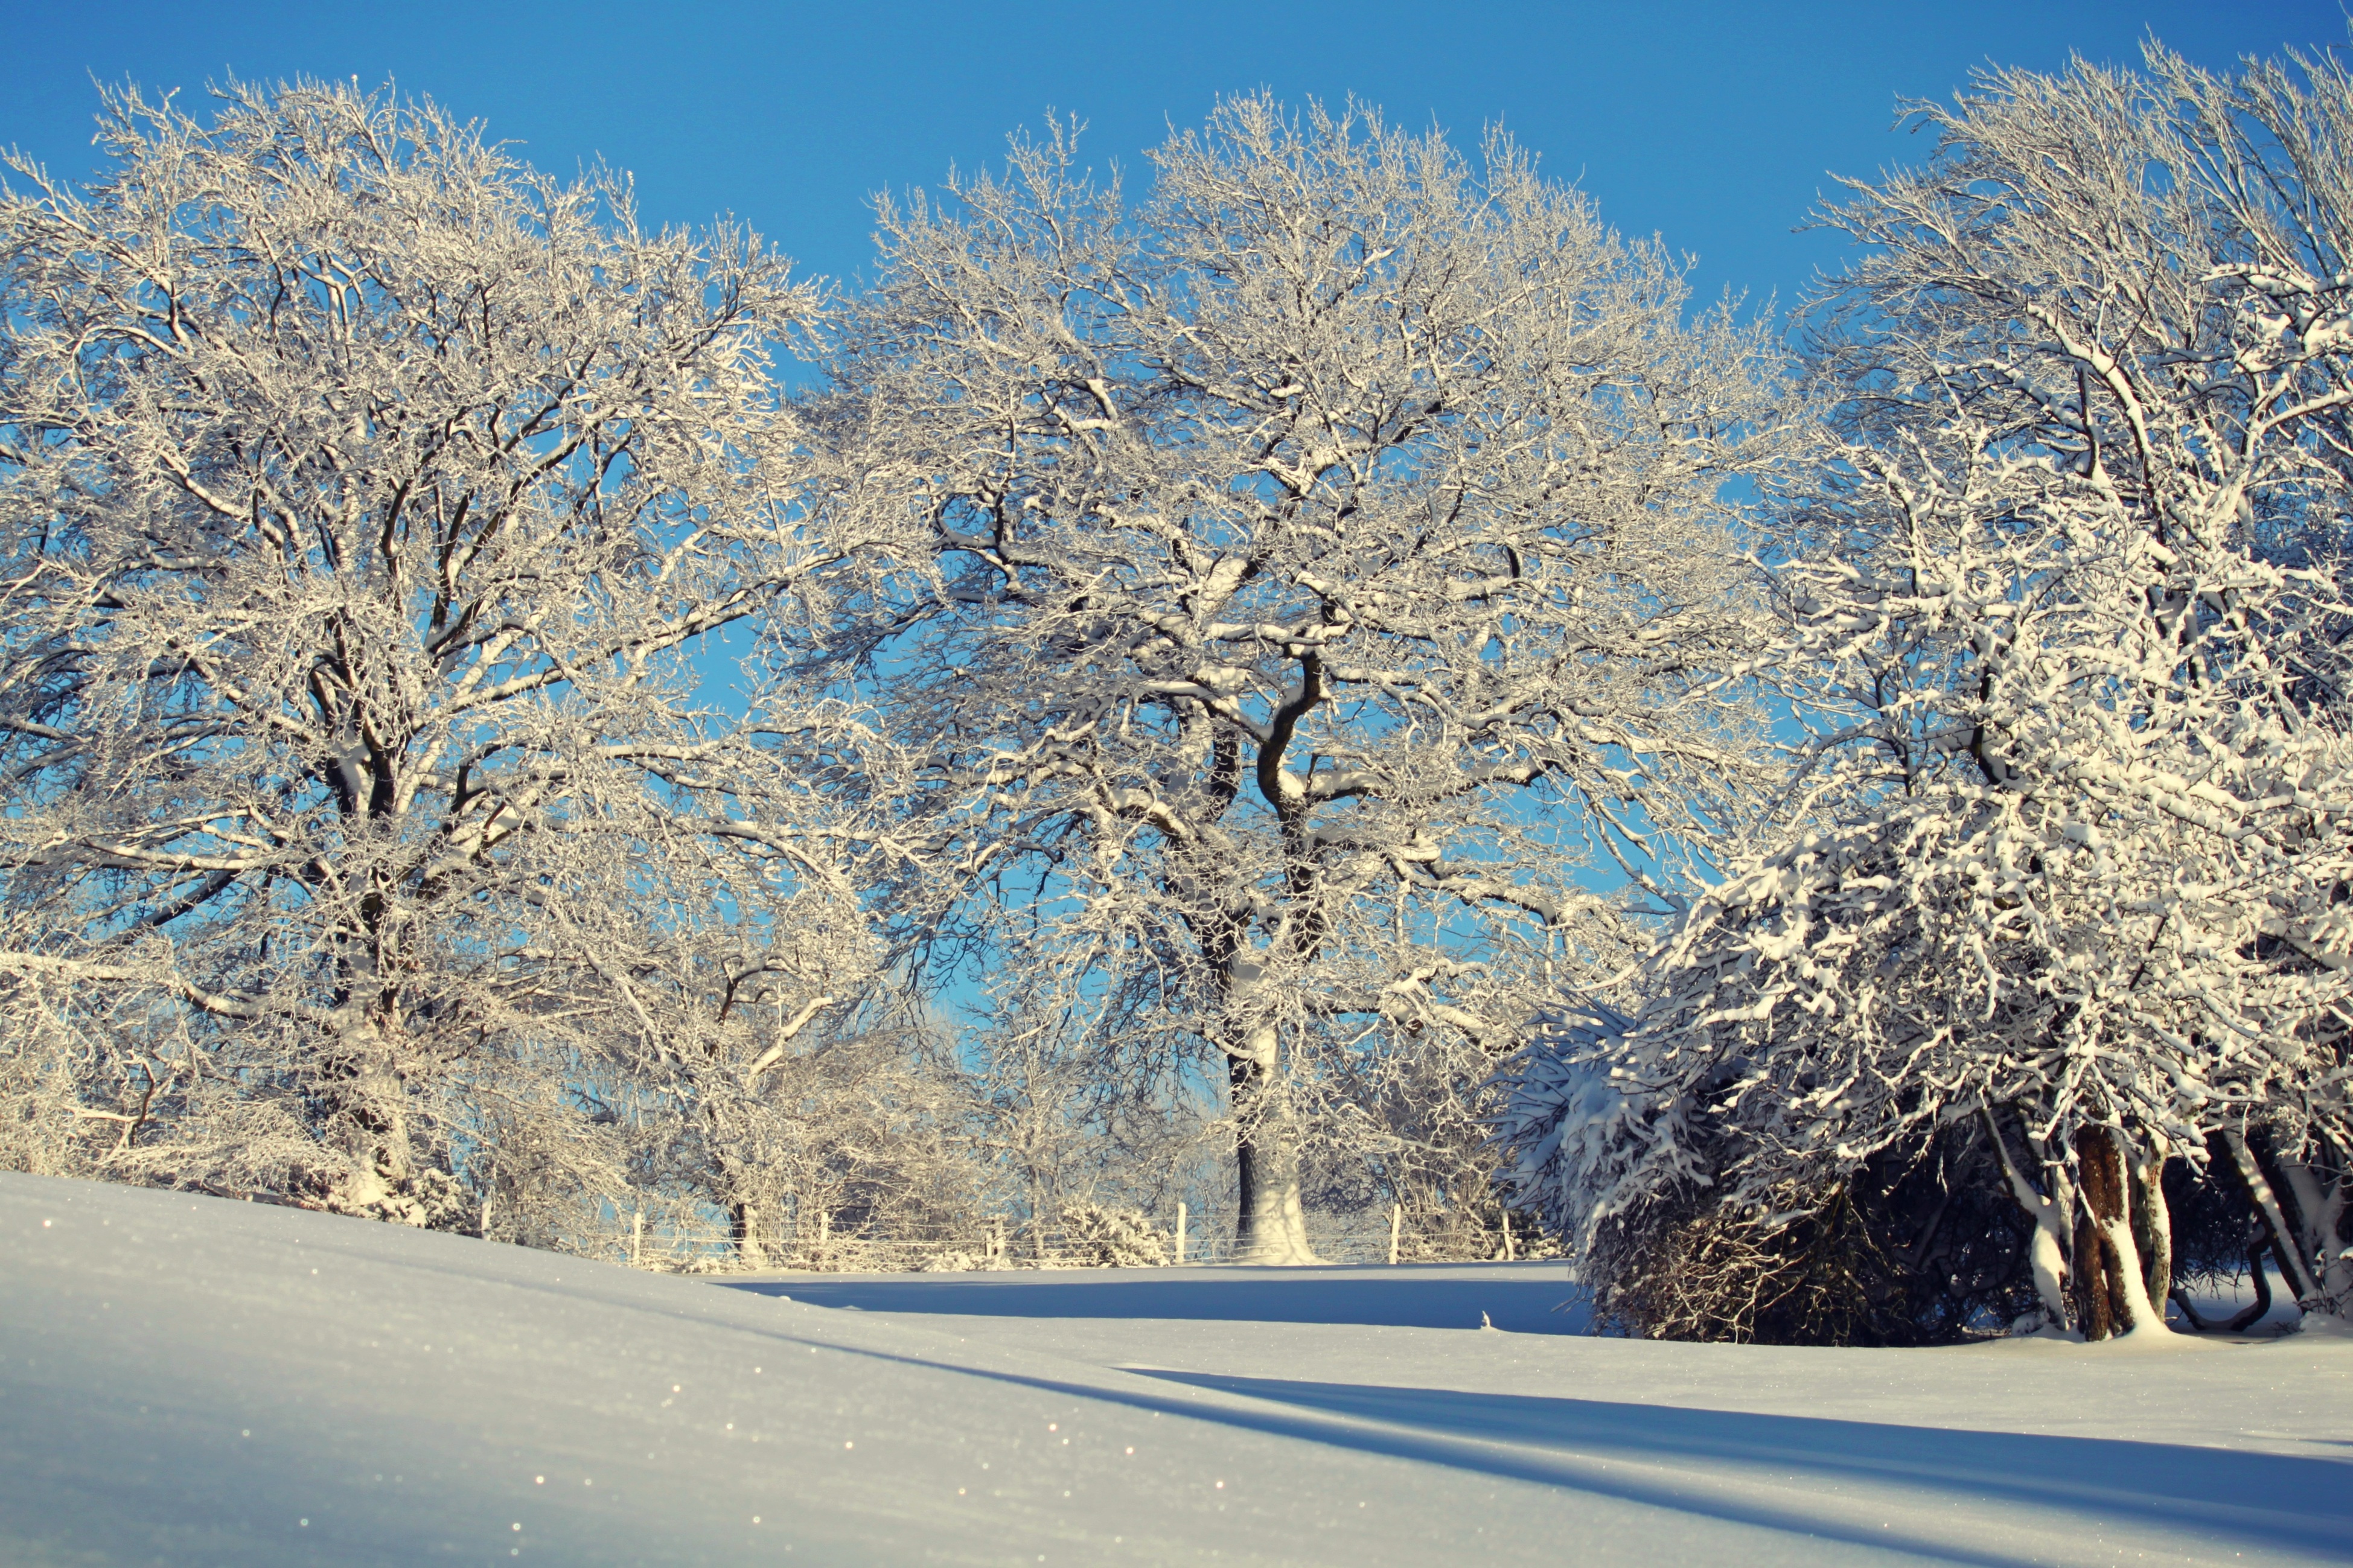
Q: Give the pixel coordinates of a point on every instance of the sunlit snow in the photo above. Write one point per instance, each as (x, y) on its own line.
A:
(193, 1381)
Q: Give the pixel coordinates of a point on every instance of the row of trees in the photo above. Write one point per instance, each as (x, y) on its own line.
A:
(381, 835)
(1249, 649)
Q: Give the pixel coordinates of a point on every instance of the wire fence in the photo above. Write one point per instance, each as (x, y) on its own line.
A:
(1095, 1238)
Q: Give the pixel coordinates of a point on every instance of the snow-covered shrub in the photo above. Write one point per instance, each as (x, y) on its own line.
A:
(1099, 1237)
(1913, 1246)
(957, 1261)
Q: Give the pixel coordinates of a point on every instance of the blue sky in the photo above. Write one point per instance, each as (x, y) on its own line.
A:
(1715, 126)
(1711, 125)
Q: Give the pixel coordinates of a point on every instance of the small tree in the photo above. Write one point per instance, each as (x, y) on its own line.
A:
(1290, 590)
(362, 494)
(2067, 856)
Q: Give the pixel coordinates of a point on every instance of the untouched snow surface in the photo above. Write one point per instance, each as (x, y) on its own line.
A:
(190, 1380)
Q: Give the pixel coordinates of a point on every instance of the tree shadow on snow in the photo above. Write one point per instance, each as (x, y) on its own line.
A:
(2282, 1501)
(1539, 1302)
(2056, 1496)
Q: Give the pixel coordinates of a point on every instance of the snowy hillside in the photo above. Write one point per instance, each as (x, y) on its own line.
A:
(191, 1381)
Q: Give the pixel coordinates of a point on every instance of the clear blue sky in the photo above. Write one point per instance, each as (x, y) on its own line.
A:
(1711, 125)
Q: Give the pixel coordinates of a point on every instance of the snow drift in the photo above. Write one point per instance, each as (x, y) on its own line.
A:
(193, 1381)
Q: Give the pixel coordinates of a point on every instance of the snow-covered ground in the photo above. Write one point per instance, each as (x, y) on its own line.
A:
(189, 1381)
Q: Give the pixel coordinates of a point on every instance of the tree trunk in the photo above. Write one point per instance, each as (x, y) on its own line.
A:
(744, 1231)
(2047, 1248)
(2314, 1204)
(1272, 1224)
(2093, 1313)
(2152, 1220)
(2112, 1288)
(2329, 1210)
(2287, 1242)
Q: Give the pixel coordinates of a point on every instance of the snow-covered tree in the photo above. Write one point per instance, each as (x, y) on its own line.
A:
(1289, 589)
(363, 497)
(2069, 849)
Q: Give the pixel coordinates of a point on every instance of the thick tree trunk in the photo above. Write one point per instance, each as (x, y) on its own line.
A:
(2111, 1284)
(2093, 1314)
(1272, 1224)
(744, 1231)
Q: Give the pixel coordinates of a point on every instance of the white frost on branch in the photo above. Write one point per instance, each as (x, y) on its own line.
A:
(1287, 590)
(363, 493)
(2067, 854)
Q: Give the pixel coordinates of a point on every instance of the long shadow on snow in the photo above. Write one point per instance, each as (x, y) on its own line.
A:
(1374, 1295)
(2305, 1504)
(2231, 1499)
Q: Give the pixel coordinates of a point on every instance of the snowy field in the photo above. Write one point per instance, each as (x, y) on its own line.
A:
(190, 1380)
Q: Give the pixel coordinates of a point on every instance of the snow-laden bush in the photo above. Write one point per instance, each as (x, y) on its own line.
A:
(1099, 1237)
(1918, 1244)
(960, 1262)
